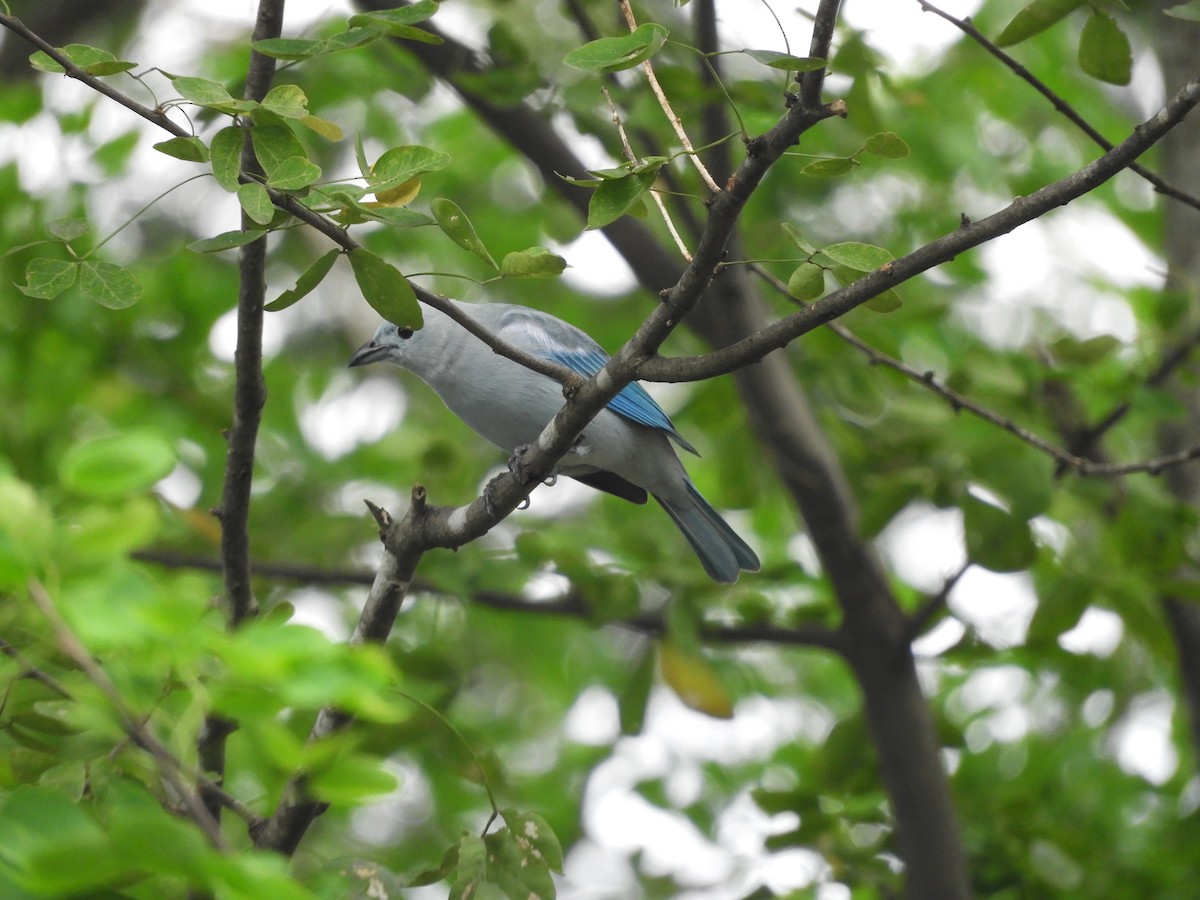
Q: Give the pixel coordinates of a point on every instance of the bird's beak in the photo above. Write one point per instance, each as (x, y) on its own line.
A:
(368, 353)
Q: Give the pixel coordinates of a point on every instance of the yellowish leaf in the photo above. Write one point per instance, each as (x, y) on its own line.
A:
(203, 523)
(401, 195)
(694, 681)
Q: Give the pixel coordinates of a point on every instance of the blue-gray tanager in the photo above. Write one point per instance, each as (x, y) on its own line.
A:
(626, 450)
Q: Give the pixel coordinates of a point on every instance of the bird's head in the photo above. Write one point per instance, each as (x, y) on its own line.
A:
(390, 343)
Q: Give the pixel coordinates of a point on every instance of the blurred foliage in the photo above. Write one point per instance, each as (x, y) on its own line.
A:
(112, 382)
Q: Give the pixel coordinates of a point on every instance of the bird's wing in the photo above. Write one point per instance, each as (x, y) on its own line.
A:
(554, 339)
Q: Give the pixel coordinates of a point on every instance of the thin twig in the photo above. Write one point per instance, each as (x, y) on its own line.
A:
(661, 96)
(924, 613)
(748, 350)
(633, 158)
(29, 670)
(170, 770)
(293, 207)
(573, 604)
(968, 28)
(15, 25)
(1077, 463)
(1085, 442)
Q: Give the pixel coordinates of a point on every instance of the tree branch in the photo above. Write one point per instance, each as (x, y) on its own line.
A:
(1078, 462)
(249, 396)
(298, 809)
(169, 768)
(873, 635)
(573, 604)
(966, 27)
(15, 25)
(1024, 209)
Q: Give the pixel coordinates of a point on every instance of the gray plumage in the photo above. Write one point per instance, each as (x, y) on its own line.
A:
(626, 450)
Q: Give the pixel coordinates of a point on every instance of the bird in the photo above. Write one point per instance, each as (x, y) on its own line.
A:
(626, 450)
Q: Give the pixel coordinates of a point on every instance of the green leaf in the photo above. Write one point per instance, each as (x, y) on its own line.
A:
(1086, 352)
(536, 838)
(1189, 12)
(69, 228)
(92, 60)
(108, 284)
(616, 53)
(26, 531)
(275, 144)
(1104, 51)
(286, 100)
(796, 238)
(1034, 19)
(189, 149)
(351, 38)
(43, 62)
(382, 286)
(395, 29)
(113, 156)
(352, 777)
(256, 202)
(888, 301)
(515, 866)
(45, 278)
(617, 196)
(536, 262)
(331, 131)
(118, 464)
(887, 144)
(469, 868)
(399, 164)
(786, 61)
(831, 168)
(807, 282)
(311, 277)
(289, 48)
(396, 216)
(634, 698)
(57, 847)
(996, 539)
(226, 240)
(403, 15)
(456, 226)
(109, 67)
(225, 156)
(356, 878)
(293, 174)
(96, 61)
(857, 256)
(202, 91)
(360, 157)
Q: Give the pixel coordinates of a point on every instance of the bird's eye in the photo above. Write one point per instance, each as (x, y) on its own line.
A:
(405, 333)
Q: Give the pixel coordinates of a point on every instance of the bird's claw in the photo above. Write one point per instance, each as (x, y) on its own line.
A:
(516, 462)
(516, 465)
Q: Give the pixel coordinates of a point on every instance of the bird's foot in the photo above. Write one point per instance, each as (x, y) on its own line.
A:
(489, 498)
(516, 465)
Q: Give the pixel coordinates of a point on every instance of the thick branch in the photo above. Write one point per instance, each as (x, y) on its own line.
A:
(298, 808)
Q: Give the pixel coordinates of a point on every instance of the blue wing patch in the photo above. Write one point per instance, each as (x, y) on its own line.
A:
(633, 402)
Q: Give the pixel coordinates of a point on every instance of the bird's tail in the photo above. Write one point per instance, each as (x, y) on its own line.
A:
(722, 553)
